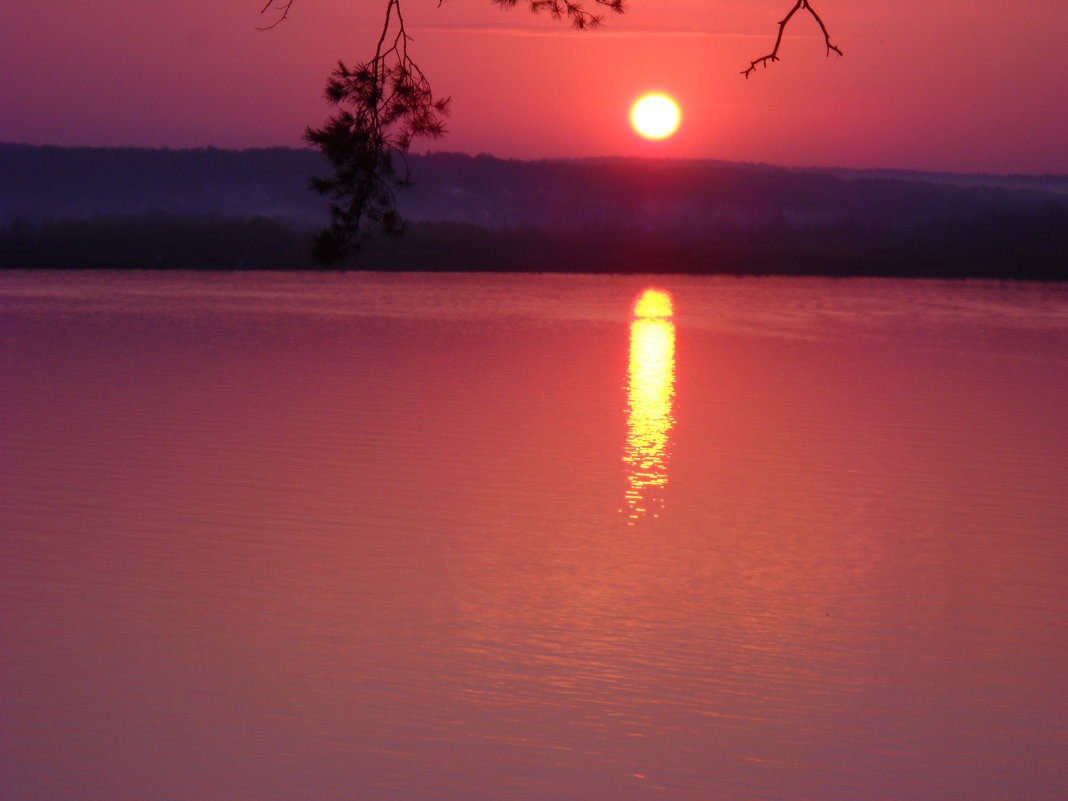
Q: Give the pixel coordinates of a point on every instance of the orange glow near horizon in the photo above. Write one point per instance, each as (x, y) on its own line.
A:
(651, 391)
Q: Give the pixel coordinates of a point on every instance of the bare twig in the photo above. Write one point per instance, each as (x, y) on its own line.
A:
(774, 54)
(283, 6)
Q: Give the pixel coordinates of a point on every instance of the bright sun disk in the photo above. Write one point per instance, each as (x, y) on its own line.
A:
(655, 116)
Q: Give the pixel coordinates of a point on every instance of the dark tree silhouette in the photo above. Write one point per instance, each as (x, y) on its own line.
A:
(383, 104)
(386, 102)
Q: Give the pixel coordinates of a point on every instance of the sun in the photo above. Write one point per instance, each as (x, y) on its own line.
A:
(655, 116)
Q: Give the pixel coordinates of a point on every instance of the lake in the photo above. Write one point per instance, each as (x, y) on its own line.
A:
(414, 537)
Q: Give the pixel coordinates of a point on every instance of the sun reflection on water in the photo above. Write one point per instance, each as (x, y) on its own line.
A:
(651, 391)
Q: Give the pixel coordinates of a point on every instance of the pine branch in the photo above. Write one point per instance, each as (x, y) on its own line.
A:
(383, 105)
(572, 10)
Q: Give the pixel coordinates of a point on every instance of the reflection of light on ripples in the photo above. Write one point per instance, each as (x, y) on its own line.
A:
(651, 389)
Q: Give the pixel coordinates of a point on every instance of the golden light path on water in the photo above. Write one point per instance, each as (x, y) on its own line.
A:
(650, 393)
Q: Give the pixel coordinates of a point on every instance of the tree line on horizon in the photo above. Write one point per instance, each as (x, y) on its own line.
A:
(1007, 245)
(52, 182)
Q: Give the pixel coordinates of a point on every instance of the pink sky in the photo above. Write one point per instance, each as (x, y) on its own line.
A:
(978, 86)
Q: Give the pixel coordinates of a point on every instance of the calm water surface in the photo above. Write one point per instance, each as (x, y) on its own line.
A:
(418, 537)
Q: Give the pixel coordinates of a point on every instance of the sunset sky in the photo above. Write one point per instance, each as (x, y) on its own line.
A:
(976, 86)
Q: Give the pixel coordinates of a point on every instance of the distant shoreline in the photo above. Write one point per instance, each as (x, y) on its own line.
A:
(1001, 246)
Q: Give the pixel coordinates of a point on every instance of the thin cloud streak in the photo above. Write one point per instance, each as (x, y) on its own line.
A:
(603, 32)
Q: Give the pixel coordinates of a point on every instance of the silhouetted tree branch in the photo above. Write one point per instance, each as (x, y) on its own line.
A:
(774, 54)
(282, 8)
(579, 17)
(557, 9)
(383, 105)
